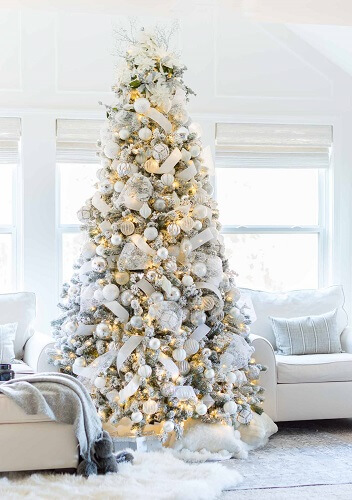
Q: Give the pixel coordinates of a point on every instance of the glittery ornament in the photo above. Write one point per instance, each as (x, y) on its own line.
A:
(167, 390)
(122, 278)
(186, 224)
(84, 214)
(151, 166)
(179, 354)
(150, 407)
(145, 134)
(167, 179)
(160, 152)
(99, 264)
(123, 168)
(208, 303)
(191, 346)
(173, 229)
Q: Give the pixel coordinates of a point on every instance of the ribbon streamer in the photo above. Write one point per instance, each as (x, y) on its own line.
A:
(203, 237)
(169, 365)
(170, 162)
(200, 332)
(184, 392)
(187, 173)
(130, 389)
(85, 329)
(146, 287)
(179, 96)
(100, 204)
(140, 242)
(99, 365)
(209, 286)
(126, 350)
(166, 285)
(160, 119)
(118, 310)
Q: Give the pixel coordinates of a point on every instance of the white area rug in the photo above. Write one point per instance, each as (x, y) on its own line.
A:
(153, 476)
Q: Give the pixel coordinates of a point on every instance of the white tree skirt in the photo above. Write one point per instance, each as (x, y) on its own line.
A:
(152, 476)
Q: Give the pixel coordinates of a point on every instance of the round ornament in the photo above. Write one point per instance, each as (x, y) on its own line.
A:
(137, 322)
(98, 295)
(102, 330)
(159, 205)
(186, 224)
(170, 266)
(145, 371)
(168, 426)
(200, 211)
(127, 228)
(231, 378)
(100, 250)
(179, 354)
(151, 166)
(184, 367)
(167, 179)
(80, 361)
(191, 346)
(198, 317)
(100, 382)
(124, 134)
(173, 229)
(145, 134)
(106, 187)
(187, 280)
(183, 133)
(209, 373)
(118, 186)
(199, 269)
(160, 151)
(150, 407)
(195, 151)
(111, 150)
(116, 239)
(186, 246)
(157, 297)
(201, 409)
(167, 389)
(70, 327)
(150, 233)
(124, 168)
(197, 225)
(126, 297)
(111, 292)
(99, 264)
(174, 294)
(233, 295)
(136, 417)
(141, 105)
(154, 344)
(122, 278)
(230, 407)
(208, 303)
(162, 253)
(88, 250)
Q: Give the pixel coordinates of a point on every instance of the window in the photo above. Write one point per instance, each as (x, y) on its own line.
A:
(271, 186)
(9, 224)
(77, 164)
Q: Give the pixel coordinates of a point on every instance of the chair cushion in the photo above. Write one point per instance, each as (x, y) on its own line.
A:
(18, 308)
(314, 368)
(294, 304)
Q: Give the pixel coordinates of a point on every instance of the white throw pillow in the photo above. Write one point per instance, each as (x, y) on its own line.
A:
(307, 335)
(295, 304)
(7, 339)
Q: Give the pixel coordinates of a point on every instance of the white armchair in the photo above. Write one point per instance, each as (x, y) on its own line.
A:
(304, 387)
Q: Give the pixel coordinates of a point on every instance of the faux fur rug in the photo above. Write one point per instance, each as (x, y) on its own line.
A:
(153, 476)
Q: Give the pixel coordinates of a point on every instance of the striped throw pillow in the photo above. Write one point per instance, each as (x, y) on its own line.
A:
(307, 335)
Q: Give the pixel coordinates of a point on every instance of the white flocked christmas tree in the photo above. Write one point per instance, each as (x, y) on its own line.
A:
(152, 320)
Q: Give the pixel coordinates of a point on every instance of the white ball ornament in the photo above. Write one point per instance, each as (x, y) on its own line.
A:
(98, 295)
(183, 132)
(123, 168)
(124, 134)
(168, 426)
(111, 292)
(179, 354)
(199, 269)
(231, 378)
(208, 303)
(195, 151)
(150, 407)
(186, 246)
(170, 266)
(197, 225)
(187, 280)
(80, 361)
(167, 179)
(150, 233)
(70, 327)
(111, 150)
(201, 409)
(230, 407)
(157, 297)
(99, 264)
(173, 229)
(145, 134)
(100, 250)
(106, 187)
(126, 297)
(118, 186)
(162, 253)
(159, 205)
(137, 322)
(174, 294)
(116, 239)
(209, 373)
(141, 105)
(200, 211)
(88, 250)
(187, 224)
(100, 382)
(136, 417)
(144, 371)
(102, 330)
(154, 344)
(198, 318)
(191, 346)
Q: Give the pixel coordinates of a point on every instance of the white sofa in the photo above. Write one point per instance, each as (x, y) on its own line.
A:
(304, 387)
(31, 442)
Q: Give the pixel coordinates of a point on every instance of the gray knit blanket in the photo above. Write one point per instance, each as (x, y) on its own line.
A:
(61, 398)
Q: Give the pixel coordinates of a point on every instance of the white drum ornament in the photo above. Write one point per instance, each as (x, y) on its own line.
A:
(200, 211)
(150, 233)
(173, 229)
(168, 426)
(167, 179)
(99, 264)
(201, 409)
(111, 150)
(100, 382)
(186, 224)
(244, 416)
(230, 407)
(124, 134)
(154, 344)
(195, 151)
(127, 228)
(145, 134)
(209, 373)
(150, 407)
(122, 278)
(151, 166)
(179, 354)
(191, 346)
(123, 168)
(111, 292)
(118, 186)
(184, 367)
(199, 269)
(136, 417)
(141, 105)
(160, 152)
(145, 371)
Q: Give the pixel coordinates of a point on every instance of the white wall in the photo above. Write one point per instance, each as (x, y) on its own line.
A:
(59, 62)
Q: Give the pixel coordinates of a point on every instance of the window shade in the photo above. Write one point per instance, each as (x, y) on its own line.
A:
(273, 145)
(10, 133)
(77, 140)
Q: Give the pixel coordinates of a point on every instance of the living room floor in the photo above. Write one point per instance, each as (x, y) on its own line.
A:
(308, 459)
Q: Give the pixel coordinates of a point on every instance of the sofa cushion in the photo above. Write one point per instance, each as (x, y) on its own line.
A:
(18, 308)
(294, 304)
(7, 341)
(314, 368)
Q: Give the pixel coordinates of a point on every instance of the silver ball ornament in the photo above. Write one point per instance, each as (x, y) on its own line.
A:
(126, 297)
(150, 233)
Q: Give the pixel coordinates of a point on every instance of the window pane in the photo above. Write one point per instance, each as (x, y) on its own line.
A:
(267, 196)
(6, 281)
(71, 245)
(274, 262)
(76, 186)
(6, 194)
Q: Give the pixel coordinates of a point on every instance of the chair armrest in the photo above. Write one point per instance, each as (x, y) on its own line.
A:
(346, 340)
(35, 353)
(265, 355)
